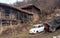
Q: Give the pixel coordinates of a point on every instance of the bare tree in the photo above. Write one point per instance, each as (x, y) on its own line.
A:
(44, 5)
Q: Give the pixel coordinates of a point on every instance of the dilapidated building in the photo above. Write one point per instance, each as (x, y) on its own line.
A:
(10, 15)
(37, 14)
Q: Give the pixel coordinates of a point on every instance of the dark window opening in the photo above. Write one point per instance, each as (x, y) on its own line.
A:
(57, 21)
(14, 22)
(25, 15)
(5, 22)
(22, 21)
(7, 12)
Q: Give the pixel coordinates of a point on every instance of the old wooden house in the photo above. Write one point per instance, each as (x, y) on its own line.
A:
(10, 15)
(32, 8)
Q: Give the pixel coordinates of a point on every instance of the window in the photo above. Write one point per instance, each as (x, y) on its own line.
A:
(5, 23)
(57, 21)
(14, 22)
(7, 12)
(34, 26)
(38, 26)
(23, 18)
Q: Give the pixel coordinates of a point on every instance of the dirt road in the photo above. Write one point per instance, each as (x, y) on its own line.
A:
(38, 35)
(44, 35)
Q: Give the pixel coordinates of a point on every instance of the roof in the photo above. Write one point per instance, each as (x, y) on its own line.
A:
(16, 8)
(27, 5)
(55, 22)
(38, 25)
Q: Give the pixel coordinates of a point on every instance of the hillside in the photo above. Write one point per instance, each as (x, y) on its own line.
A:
(44, 5)
(47, 9)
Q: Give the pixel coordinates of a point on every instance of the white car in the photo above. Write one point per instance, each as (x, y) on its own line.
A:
(37, 28)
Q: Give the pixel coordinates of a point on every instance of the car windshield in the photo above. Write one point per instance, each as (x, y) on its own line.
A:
(37, 26)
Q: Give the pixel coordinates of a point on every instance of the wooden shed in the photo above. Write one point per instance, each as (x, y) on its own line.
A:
(10, 15)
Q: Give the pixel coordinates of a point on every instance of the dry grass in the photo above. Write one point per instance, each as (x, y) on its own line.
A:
(15, 35)
(27, 35)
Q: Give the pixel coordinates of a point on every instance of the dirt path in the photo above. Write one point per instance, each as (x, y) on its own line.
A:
(38, 35)
(44, 35)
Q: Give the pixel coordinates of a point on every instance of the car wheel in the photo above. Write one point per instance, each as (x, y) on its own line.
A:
(52, 29)
(37, 31)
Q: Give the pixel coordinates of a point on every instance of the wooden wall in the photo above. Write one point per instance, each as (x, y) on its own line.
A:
(36, 12)
(12, 16)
